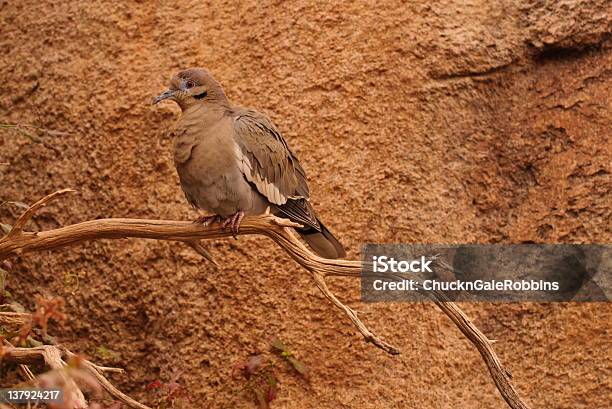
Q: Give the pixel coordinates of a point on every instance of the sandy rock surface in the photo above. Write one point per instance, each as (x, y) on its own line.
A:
(441, 122)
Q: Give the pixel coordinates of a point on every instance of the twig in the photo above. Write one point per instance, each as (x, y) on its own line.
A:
(275, 228)
(21, 128)
(108, 369)
(52, 356)
(25, 370)
(201, 250)
(367, 334)
(27, 373)
(14, 318)
(29, 213)
(92, 369)
(38, 128)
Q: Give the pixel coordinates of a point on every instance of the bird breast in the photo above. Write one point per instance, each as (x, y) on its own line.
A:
(206, 162)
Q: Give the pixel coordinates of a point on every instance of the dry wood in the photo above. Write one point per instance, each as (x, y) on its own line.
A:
(14, 319)
(53, 357)
(19, 241)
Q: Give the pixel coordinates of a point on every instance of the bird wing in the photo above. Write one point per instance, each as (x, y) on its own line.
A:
(268, 163)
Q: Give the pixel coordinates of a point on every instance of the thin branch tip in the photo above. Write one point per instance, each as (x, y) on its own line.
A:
(29, 213)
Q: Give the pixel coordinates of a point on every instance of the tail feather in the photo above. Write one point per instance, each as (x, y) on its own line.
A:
(323, 243)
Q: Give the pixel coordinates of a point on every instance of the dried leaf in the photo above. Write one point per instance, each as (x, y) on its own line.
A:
(6, 295)
(16, 307)
(34, 342)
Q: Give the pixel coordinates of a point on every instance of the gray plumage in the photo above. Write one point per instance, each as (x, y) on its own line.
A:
(231, 159)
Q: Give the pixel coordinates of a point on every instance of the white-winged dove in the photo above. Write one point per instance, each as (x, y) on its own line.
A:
(232, 161)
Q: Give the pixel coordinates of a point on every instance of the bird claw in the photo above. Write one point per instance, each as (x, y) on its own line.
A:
(208, 220)
(234, 221)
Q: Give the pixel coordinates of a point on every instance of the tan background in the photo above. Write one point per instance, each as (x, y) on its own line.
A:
(445, 122)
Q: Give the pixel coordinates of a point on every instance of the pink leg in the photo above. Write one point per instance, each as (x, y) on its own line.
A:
(234, 221)
(208, 220)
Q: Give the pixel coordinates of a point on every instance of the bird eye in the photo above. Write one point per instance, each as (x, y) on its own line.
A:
(190, 84)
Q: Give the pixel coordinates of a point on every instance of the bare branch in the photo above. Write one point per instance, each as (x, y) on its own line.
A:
(52, 357)
(108, 369)
(14, 318)
(367, 334)
(29, 213)
(92, 369)
(27, 373)
(275, 228)
(25, 370)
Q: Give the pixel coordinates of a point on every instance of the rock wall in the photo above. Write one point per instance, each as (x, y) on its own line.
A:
(448, 122)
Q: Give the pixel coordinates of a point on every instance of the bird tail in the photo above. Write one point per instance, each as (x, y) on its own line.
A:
(322, 242)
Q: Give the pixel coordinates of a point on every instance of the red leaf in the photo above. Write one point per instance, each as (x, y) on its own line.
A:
(156, 384)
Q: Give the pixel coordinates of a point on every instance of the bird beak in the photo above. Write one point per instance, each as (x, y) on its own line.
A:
(170, 94)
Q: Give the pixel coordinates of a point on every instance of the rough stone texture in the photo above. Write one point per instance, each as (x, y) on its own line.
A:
(448, 122)
(572, 24)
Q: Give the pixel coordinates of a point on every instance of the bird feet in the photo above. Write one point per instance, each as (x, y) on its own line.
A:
(208, 220)
(233, 221)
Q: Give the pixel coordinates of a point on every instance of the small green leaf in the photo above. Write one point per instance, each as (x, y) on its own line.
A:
(299, 367)
(279, 346)
(286, 354)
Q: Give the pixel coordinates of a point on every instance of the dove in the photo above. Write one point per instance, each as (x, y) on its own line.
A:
(233, 161)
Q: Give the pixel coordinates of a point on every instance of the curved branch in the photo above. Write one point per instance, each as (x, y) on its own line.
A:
(268, 225)
(31, 211)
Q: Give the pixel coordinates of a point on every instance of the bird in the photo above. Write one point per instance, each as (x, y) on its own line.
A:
(233, 161)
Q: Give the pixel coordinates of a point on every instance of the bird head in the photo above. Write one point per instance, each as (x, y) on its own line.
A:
(193, 86)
